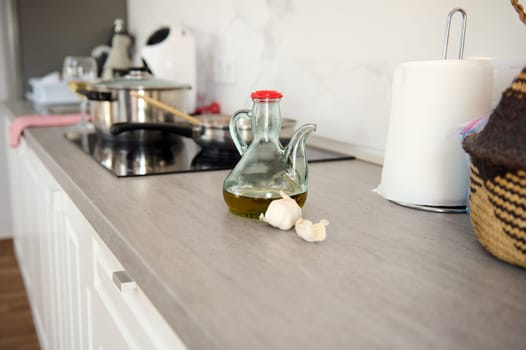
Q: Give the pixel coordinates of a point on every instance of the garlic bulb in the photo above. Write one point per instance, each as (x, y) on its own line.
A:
(282, 213)
(311, 232)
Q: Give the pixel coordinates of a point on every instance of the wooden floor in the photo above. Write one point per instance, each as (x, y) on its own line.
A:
(17, 331)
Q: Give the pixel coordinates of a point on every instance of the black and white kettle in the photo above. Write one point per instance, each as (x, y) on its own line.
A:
(170, 53)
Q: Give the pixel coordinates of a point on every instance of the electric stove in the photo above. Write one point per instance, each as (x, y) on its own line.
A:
(168, 155)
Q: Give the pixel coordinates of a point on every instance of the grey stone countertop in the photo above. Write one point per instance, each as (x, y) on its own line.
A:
(387, 277)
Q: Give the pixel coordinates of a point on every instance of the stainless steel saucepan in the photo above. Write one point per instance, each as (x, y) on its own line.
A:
(113, 101)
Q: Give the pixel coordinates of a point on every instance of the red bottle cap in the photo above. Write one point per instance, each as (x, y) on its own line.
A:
(266, 94)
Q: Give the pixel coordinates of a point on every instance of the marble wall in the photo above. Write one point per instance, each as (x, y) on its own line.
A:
(332, 59)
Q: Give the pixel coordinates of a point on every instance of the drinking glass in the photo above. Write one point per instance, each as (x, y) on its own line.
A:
(78, 72)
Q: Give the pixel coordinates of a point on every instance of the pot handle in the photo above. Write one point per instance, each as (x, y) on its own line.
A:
(119, 128)
(94, 95)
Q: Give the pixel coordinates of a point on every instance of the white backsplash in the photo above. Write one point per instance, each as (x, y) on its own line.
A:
(333, 60)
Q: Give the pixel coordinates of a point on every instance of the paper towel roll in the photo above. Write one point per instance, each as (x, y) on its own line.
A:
(424, 163)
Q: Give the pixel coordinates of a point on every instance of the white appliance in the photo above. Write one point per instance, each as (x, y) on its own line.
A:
(170, 53)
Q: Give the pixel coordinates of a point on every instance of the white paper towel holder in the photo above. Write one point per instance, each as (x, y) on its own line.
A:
(445, 209)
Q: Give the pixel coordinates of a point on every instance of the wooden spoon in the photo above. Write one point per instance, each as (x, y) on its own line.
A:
(167, 108)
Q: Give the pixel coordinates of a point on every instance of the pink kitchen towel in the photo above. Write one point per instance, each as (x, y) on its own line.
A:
(29, 121)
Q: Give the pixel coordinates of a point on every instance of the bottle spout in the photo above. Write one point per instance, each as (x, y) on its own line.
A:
(295, 152)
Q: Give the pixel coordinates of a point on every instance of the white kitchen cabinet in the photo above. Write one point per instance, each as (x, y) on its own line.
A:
(70, 274)
(127, 312)
(26, 196)
(48, 246)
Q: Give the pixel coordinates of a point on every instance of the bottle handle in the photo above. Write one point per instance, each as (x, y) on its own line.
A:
(240, 144)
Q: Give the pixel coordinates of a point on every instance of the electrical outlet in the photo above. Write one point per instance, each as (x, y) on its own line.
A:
(225, 70)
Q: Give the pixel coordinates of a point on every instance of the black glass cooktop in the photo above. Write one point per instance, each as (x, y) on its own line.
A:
(171, 154)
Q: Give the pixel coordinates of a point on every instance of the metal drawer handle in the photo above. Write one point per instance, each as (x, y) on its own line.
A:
(123, 281)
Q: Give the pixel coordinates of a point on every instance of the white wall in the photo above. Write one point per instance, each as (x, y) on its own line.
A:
(332, 59)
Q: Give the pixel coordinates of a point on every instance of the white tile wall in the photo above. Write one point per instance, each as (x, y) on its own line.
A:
(332, 59)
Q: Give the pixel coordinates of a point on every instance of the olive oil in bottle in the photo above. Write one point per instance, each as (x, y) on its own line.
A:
(252, 207)
(266, 167)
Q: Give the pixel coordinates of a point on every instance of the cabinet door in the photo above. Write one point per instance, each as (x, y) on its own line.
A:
(52, 241)
(36, 225)
(28, 197)
(28, 201)
(18, 191)
(71, 247)
(123, 323)
(52, 268)
(105, 331)
(133, 316)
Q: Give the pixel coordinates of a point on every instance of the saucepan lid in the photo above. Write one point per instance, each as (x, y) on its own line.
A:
(139, 80)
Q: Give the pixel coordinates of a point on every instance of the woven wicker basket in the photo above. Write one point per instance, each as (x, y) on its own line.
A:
(498, 213)
(498, 177)
(498, 174)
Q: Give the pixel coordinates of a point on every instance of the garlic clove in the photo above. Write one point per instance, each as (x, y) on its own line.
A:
(311, 232)
(282, 213)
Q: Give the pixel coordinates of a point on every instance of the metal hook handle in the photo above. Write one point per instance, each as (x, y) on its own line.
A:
(462, 35)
